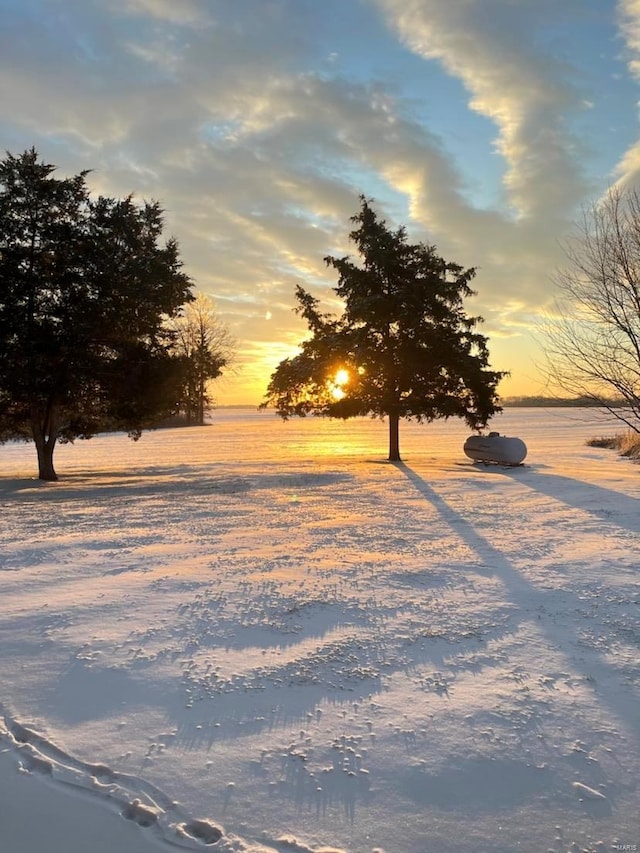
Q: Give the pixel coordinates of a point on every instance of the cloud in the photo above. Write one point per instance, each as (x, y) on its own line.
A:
(629, 22)
(627, 171)
(192, 13)
(257, 124)
(527, 92)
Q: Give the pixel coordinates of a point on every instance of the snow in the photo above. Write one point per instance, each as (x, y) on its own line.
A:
(259, 636)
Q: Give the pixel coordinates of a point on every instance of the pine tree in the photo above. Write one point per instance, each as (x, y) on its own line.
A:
(85, 289)
(403, 348)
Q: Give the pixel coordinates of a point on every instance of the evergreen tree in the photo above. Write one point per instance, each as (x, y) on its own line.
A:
(85, 290)
(403, 347)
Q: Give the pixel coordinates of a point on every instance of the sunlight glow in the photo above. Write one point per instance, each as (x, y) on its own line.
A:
(341, 377)
(336, 384)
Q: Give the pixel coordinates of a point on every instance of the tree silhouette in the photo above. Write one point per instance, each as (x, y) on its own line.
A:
(206, 345)
(85, 290)
(404, 341)
(592, 341)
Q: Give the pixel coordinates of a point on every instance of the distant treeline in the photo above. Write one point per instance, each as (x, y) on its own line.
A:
(559, 402)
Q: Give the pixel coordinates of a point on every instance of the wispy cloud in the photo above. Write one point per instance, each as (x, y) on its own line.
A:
(492, 47)
(193, 13)
(628, 16)
(257, 124)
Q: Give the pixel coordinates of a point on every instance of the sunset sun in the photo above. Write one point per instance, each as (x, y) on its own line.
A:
(337, 384)
(341, 377)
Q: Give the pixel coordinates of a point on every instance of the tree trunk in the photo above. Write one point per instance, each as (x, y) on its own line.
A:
(45, 435)
(201, 395)
(46, 471)
(394, 437)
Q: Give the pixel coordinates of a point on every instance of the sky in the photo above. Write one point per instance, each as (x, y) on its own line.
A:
(483, 126)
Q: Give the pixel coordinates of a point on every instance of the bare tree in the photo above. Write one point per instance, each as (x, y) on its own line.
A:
(593, 340)
(207, 347)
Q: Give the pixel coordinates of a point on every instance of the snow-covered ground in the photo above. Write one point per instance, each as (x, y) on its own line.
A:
(259, 636)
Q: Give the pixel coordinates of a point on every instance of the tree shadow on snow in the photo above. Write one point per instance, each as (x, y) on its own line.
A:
(532, 599)
(191, 480)
(605, 504)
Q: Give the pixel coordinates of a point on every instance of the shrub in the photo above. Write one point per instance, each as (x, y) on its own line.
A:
(610, 442)
(630, 445)
(626, 443)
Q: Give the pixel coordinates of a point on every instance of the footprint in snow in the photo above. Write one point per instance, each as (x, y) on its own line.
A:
(35, 754)
(202, 830)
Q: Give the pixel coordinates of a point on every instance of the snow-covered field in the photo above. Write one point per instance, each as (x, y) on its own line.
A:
(259, 636)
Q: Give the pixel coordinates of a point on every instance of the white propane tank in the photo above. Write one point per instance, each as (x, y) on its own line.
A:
(496, 448)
